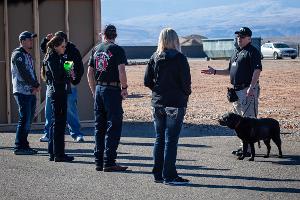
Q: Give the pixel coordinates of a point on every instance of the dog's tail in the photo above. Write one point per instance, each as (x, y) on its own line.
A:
(258, 144)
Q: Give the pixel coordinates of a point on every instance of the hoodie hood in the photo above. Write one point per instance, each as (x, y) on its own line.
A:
(167, 54)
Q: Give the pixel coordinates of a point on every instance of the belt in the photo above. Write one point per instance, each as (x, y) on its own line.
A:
(116, 84)
(240, 87)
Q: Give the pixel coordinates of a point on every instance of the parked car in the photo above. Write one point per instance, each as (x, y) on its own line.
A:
(277, 50)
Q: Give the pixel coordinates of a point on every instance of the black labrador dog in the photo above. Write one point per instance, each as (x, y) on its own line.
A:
(251, 130)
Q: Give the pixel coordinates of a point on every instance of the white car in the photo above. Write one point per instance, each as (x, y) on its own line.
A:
(277, 50)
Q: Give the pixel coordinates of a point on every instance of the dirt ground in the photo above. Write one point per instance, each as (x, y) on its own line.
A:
(279, 96)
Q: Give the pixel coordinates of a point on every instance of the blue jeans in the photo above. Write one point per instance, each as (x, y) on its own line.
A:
(26, 105)
(72, 114)
(167, 123)
(108, 124)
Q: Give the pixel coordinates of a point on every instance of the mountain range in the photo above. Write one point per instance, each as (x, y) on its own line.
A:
(267, 18)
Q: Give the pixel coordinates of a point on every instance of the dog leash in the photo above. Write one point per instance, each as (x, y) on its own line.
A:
(249, 106)
(259, 146)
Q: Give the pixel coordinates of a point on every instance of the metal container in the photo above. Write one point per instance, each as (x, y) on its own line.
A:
(221, 48)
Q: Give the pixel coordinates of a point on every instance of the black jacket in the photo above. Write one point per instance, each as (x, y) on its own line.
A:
(71, 54)
(56, 76)
(168, 76)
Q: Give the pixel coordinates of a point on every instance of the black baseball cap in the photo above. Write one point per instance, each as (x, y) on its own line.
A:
(26, 34)
(244, 31)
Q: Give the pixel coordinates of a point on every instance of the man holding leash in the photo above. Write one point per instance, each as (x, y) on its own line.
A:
(244, 70)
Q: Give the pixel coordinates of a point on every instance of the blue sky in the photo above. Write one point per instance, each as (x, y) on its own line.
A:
(140, 21)
(122, 9)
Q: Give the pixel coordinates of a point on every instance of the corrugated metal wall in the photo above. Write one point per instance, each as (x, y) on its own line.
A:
(224, 47)
(51, 19)
(3, 109)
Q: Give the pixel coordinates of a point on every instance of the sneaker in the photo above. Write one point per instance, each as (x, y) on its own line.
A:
(44, 139)
(177, 181)
(115, 168)
(27, 151)
(79, 139)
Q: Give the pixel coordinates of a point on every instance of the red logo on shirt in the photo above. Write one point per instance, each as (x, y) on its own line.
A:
(102, 59)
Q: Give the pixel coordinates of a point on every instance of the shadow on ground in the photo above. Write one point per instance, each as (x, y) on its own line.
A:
(146, 130)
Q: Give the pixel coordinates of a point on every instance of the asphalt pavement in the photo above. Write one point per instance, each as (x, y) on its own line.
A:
(204, 157)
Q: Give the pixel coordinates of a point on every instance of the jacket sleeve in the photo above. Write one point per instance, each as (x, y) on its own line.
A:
(19, 61)
(185, 76)
(78, 66)
(56, 68)
(43, 45)
(149, 74)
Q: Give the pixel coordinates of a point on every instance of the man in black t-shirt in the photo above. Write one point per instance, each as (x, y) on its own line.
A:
(108, 83)
(244, 70)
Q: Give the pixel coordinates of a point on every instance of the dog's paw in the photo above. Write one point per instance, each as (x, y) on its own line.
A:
(251, 159)
(241, 157)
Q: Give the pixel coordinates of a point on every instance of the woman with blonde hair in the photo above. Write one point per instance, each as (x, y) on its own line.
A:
(168, 76)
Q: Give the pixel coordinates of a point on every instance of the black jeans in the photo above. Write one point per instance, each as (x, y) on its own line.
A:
(108, 124)
(56, 145)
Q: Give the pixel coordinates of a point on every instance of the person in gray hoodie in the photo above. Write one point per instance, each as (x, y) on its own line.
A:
(168, 76)
(25, 87)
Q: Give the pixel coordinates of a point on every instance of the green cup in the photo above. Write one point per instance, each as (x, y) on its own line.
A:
(68, 65)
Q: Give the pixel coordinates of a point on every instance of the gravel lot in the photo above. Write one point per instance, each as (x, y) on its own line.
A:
(279, 99)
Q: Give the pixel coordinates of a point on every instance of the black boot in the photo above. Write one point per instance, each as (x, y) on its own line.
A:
(99, 165)
(64, 158)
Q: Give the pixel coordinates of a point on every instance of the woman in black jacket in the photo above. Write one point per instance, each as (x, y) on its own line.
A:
(58, 81)
(168, 76)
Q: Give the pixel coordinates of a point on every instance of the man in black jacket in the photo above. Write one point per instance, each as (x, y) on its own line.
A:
(71, 54)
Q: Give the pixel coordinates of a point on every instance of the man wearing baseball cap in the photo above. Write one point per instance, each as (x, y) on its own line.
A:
(25, 87)
(244, 70)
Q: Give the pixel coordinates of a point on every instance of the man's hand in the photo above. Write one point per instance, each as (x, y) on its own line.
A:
(49, 36)
(209, 71)
(124, 93)
(35, 90)
(250, 91)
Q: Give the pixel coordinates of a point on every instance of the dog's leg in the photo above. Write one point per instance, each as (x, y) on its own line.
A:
(267, 143)
(277, 141)
(245, 148)
(252, 152)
